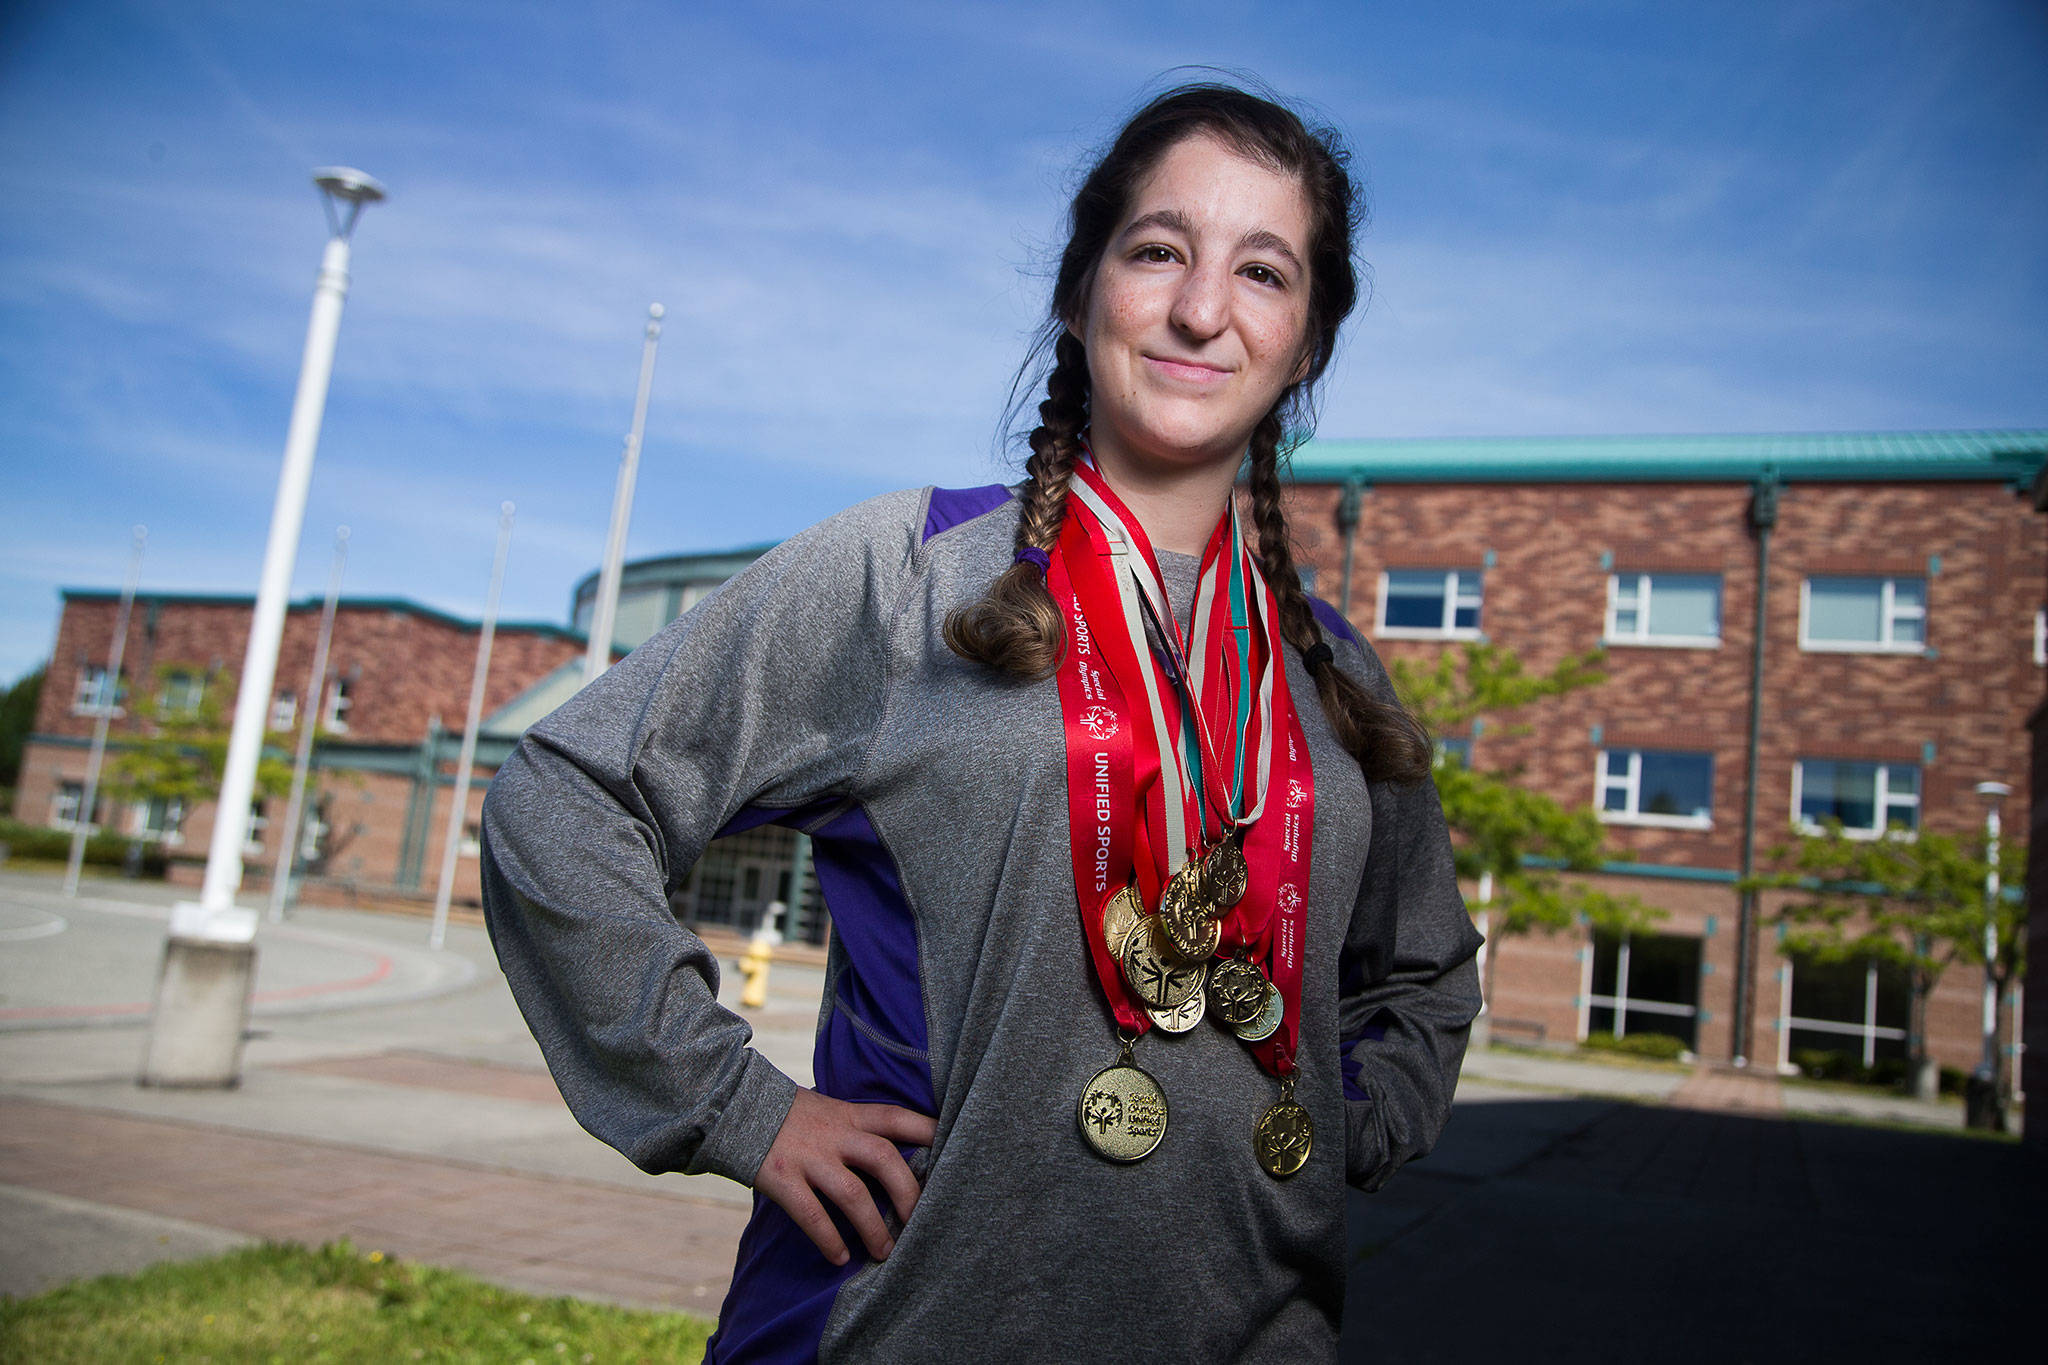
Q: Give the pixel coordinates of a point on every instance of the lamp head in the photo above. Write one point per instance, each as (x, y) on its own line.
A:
(345, 185)
(1992, 791)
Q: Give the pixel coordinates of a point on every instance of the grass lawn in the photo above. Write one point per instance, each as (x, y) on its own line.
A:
(286, 1303)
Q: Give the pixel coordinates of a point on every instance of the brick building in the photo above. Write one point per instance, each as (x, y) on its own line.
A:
(399, 673)
(1901, 655)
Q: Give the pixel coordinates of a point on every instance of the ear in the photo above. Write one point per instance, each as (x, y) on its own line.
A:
(1301, 370)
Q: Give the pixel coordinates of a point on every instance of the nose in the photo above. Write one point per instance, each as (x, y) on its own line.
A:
(1202, 306)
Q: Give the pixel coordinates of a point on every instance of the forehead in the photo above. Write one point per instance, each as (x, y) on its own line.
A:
(1220, 189)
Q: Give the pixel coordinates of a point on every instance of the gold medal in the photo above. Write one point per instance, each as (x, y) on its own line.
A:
(1156, 978)
(1284, 1136)
(1183, 1016)
(1119, 917)
(1123, 1111)
(1225, 873)
(1237, 991)
(1267, 1021)
(1192, 932)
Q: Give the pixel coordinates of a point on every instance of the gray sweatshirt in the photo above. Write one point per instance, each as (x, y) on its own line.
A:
(815, 690)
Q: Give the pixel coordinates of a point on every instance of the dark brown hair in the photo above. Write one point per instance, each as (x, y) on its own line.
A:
(1015, 627)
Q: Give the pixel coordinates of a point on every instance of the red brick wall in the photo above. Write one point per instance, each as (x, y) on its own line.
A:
(1546, 597)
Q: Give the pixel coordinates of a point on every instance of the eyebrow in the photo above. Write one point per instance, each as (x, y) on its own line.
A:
(1258, 239)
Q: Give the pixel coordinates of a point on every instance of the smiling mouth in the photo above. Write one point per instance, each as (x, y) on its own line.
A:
(1193, 372)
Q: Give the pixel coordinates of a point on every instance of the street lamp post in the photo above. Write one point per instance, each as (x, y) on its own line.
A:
(1985, 1107)
(202, 1000)
(458, 807)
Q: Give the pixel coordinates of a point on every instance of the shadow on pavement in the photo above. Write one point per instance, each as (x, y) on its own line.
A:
(1574, 1229)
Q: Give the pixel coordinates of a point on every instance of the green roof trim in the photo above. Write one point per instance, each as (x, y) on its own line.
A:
(2011, 457)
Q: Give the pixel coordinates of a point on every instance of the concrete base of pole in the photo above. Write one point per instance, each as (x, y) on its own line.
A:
(1482, 1031)
(202, 1013)
(1926, 1074)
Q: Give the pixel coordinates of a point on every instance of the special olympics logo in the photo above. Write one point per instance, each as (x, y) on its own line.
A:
(1297, 794)
(1289, 898)
(1099, 722)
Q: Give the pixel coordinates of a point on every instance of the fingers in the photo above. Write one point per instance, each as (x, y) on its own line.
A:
(808, 1214)
(850, 1193)
(898, 1124)
(879, 1158)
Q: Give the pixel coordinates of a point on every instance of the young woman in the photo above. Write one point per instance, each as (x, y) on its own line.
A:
(1146, 936)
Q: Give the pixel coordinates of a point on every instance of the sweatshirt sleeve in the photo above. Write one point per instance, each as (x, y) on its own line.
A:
(765, 694)
(1408, 979)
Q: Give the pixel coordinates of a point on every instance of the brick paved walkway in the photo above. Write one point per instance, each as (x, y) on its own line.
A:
(549, 1235)
(1724, 1088)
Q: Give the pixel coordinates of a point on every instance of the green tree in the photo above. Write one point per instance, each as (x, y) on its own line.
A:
(17, 718)
(1516, 842)
(1914, 901)
(181, 749)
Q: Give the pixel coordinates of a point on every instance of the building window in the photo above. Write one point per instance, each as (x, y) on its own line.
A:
(259, 823)
(1856, 1010)
(1656, 787)
(341, 699)
(1454, 749)
(1440, 604)
(1868, 798)
(1643, 983)
(65, 804)
(284, 710)
(2040, 637)
(92, 691)
(1680, 609)
(182, 694)
(159, 819)
(1864, 614)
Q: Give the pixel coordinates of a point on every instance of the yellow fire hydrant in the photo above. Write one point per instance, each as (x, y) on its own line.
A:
(754, 967)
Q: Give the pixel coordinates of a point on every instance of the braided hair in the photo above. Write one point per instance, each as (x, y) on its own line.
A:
(1015, 628)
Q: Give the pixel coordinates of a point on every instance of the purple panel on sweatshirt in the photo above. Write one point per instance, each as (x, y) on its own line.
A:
(949, 507)
(1374, 1030)
(1333, 621)
(782, 1291)
(753, 817)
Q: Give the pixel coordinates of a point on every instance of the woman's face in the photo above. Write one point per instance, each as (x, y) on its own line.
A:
(1195, 322)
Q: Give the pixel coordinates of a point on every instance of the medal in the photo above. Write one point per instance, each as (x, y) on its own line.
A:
(1155, 977)
(1122, 1112)
(1237, 991)
(1119, 917)
(1183, 1016)
(1285, 1134)
(1192, 930)
(1272, 1009)
(1225, 874)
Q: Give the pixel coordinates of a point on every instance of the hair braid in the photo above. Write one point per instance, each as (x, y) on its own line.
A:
(1015, 628)
(1388, 742)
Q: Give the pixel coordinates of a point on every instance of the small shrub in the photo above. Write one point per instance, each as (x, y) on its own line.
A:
(1660, 1046)
(102, 850)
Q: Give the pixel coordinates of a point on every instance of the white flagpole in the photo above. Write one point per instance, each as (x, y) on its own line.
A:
(459, 807)
(110, 692)
(598, 655)
(316, 692)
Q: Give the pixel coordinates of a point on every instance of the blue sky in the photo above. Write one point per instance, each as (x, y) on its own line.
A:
(1588, 217)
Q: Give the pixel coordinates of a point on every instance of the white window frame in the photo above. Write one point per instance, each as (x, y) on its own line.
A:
(340, 701)
(1621, 1002)
(1889, 614)
(1630, 781)
(1459, 586)
(86, 698)
(284, 710)
(1882, 803)
(1868, 1029)
(67, 793)
(259, 824)
(1641, 635)
(179, 706)
(173, 831)
(2041, 637)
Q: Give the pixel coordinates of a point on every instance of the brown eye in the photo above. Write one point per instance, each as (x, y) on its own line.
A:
(1261, 274)
(1155, 254)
